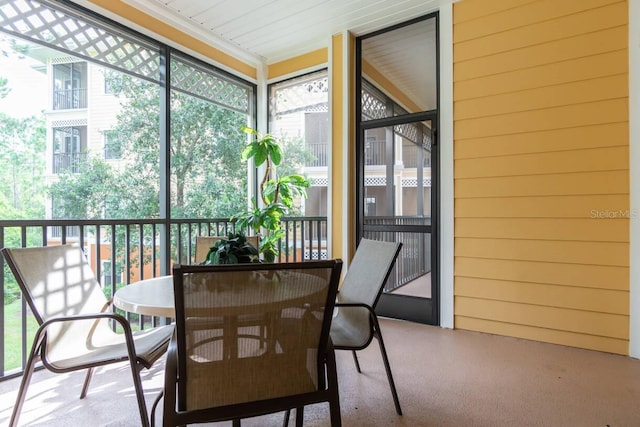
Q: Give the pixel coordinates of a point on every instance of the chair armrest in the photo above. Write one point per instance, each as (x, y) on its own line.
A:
(95, 316)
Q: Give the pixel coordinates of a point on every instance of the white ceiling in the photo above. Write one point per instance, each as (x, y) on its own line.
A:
(407, 57)
(267, 31)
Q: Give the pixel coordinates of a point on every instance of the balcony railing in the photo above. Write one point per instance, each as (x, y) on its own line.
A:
(122, 252)
(319, 152)
(67, 99)
(375, 153)
(415, 257)
(68, 162)
(125, 251)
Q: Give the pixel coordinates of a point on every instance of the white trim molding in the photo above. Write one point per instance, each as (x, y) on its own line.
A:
(634, 178)
(446, 164)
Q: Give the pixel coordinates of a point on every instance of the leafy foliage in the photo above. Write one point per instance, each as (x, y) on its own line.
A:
(233, 250)
(22, 147)
(206, 168)
(278, 193)
(4, 87)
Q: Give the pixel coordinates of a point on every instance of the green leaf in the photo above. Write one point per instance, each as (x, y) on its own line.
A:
(276, 154)
(249, 151)
(259, 157)
(248, 130)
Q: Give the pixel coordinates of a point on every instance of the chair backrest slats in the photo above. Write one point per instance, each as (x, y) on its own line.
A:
(275, 326)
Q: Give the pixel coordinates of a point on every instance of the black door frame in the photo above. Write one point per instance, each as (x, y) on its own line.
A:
(416, 309)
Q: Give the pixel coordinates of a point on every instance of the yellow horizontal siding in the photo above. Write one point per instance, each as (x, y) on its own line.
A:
(580, 229)
(578, 321)
(608, 182)
(597, 89)
(581, 206)
(581, 275)
(595, 159)
(532, 26)
(541, 170)
(573, 70)
(609, 111)
(604, 135)
(571, 297)
(475, 9)
(554, 336)
(594, 43)
(554, 251)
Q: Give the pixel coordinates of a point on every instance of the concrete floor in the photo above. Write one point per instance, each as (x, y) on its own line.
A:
(444, 377)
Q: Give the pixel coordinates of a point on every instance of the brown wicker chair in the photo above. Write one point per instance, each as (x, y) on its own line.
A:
(74, 332)
(206, 382)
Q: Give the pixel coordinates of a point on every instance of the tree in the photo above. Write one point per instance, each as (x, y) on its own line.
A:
(22, 147)
(4, 87)
(206, 169)
(87, 194)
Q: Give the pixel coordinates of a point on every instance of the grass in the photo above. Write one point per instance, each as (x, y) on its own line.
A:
(13, 334)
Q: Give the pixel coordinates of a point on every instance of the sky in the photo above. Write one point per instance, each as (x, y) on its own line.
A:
(28, 94)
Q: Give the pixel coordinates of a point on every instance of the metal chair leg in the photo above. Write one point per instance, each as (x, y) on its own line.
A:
(334, 401)
(34, 357)
(355, 360)
(87, 380)
(22, 393)
(299, 416)
(378, 334)
(287, 415)
(137, 384)
(153, 408)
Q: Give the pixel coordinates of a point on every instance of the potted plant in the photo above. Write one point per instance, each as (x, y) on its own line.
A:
(234, 249)
(277, 193)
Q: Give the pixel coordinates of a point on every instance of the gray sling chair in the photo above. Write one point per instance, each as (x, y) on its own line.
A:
(355, 323)
(72, 313)
(205, 382)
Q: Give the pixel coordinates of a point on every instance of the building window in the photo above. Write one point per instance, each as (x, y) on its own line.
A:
(69, 152)
(112, 146)
(299, 117)
(316, 135)
(70, 86)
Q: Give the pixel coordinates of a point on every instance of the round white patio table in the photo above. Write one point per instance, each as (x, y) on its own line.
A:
(150, 297)
(154, 297)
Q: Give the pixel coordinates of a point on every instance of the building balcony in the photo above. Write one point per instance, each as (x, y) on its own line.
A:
(68, 162)
(68, 99)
